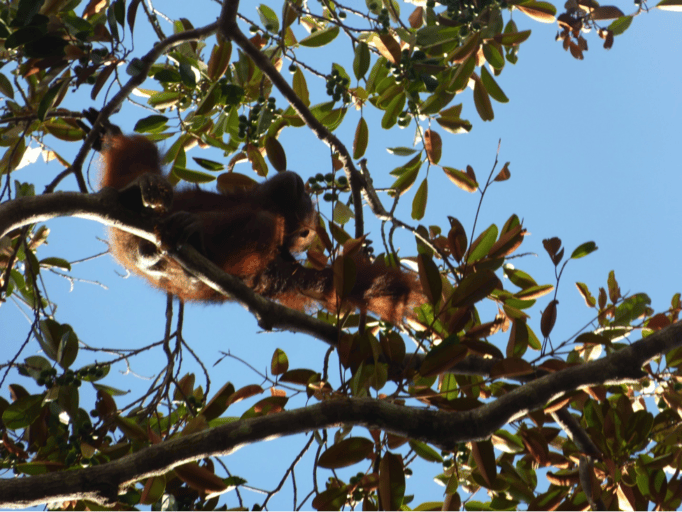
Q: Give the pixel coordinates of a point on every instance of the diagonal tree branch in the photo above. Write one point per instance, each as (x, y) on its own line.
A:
(443, 429)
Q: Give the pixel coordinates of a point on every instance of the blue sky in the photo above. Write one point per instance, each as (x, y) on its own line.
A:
(594, 156)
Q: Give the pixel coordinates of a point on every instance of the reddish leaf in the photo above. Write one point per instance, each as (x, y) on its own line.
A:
(511, 367)
(245, 392)
(391, 481)
(199, 478)
(484, 455)
(457, 239)
(429, 276)
(346, 453)
(434, 145)
(548, 318)
(388, 47)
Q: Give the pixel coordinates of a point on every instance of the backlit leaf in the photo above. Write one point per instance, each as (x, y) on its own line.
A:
(543, 12)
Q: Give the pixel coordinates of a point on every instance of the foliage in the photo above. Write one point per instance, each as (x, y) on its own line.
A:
(408, 67)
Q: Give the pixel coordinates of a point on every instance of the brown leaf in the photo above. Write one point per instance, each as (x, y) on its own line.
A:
(230, 182)
(391, 481)
(484, 455)
(552, 246)
(511, 367)
(276, 154)
(658, 322)
(504, 174)
(388, 47)
(606, 12)
(566, 479)
(245, 392)
(434, 145)
(575, 50)
(199, 478)
(548, 318)
(346, 453)
(416, 19)
(457, 239)
(429, 277)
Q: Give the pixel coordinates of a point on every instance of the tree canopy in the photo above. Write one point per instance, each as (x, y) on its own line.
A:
(489, 396)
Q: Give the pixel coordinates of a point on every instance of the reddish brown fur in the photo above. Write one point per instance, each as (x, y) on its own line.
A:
(251, 235)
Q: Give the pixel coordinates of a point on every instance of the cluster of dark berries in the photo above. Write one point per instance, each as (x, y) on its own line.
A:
(383, 19)
(248, 126)
(466, 12)
(48, 378)
(321, 182)
(337, 86)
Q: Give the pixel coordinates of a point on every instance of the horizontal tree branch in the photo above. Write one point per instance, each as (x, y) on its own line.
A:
(442, 429)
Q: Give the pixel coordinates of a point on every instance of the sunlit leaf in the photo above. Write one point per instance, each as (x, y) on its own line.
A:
(320, 38)
(670, 5)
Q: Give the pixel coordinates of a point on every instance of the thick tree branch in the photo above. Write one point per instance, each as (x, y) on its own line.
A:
(440, 428)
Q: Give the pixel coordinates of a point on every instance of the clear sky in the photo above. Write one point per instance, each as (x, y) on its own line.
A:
(594, 156)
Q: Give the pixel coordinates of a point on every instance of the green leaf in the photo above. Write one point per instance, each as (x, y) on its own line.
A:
(300, 87)
(395, 107)
(320, 38)
(584, 250)
(631, 309)
(419, 201)
(437, 101)
(620, 25)
(544, 12)
(165, 99)
(6, 87)
(461, 179)
(361, 60)
(482, 102)
(462, 75)
(402, 151)
(670, 5)
(49, 99)
(425, 451)
(209, 165)
(491, 86)
(443, 356)
(512, 38)
(406, 179)
(55, 262)
(361, 139)
(68, 348)
(22, 412)
(481, 246)
(154, 124)
(26, 10)
(493, 56)
(436, 34)
(455, 126)
(268, 18)
(275, 153)
(192, 176)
